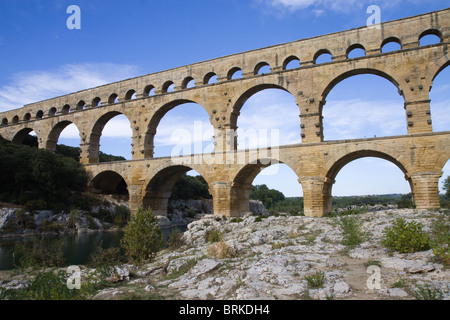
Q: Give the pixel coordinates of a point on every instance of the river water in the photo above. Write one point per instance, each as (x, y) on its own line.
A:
(77, 247)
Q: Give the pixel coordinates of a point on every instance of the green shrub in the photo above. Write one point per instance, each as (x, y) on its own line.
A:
(405, 237)
(39, 253)
(440, 239)
(259, 218)
(191, 213)
(176, 239)
(406, 202)
(51, 286)
(106, 257)
(213, 235)
(426, 293)
(142, 237)
(188, 265)
(316, 280)
(121, 216)
(351, 229)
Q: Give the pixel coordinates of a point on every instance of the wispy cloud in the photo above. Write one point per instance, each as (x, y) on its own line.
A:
(31, 86)
(269, 118)
(352, 119)
(318, 7)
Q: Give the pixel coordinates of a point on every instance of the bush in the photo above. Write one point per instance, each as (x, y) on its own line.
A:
(405, 237)
(221, 250)
(142, 237)
(406, 202)
(121, 216)
(426, 293)
(176, 239)
(187, 188)
(106, 257)
(259, 218)
(316, 280)
(352, 234)
(38, 178)
(39, 253)
(52, 286)
(213, 235)
(440, 239)
(267, 196)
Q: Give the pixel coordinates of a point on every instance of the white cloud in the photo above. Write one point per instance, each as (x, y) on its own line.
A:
(269, 118)
(353, 119)
(320, 6)
(31, 86)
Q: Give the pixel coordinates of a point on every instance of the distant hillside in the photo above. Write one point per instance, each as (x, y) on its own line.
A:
(72, 152)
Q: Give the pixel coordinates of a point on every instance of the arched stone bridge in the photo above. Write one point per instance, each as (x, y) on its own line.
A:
(421, 154)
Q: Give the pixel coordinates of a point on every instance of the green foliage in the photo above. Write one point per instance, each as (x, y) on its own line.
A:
(188, 187)
(348, 212)
(74, 153)
(176, 239)
(344, 202)
(440, 239)
(293, 206)
(74, 216)
(268, 196)
(260, 218)
(52, 286)
(351, 230)
(142, 237)
(121, 215)
(106, 257)
(213, 235)
(103, 157)
(38, 178)
(406, 202)
(39, 253)
(188, 265)
(316, 280)
(426, 293)
(405, 237)
(447, 187)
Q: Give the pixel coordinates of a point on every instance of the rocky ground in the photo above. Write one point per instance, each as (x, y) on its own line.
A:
(273, 258)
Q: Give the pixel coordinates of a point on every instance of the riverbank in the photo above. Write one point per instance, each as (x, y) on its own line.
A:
(284, 257)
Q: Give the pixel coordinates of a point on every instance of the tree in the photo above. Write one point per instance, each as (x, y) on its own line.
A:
(38, 178)
(268, 196)
(447, 186)
(142, 237)
(190, 188)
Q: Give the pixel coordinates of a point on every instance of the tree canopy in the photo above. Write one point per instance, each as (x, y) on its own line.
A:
(268, 196)
(190, 188)
(37, 177)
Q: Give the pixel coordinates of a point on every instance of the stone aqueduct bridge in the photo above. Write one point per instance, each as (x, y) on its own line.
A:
(421, 154)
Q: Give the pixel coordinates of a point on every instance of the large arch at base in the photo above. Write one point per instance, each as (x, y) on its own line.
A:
(242, 184)
(110, 183)
(20, 136)
(350, 157)
(159, 188)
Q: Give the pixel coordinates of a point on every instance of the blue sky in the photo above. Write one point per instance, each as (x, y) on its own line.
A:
(41, 58)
